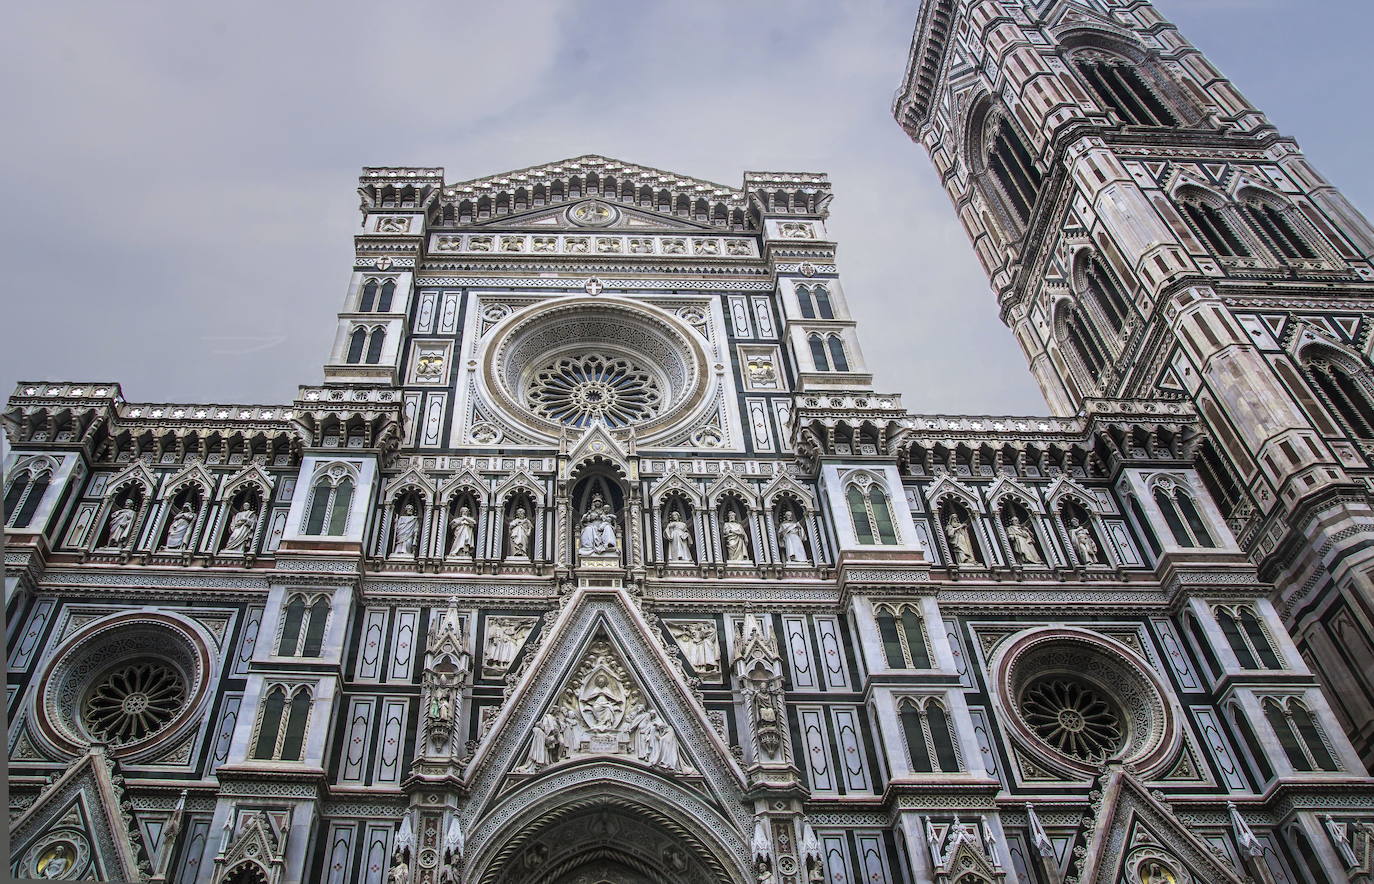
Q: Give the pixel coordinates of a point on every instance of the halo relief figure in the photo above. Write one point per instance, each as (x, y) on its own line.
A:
(1083, 543)
(1023, 542)
(960, 541)
(121, 523)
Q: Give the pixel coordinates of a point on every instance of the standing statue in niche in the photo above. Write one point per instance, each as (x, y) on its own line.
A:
(241, 528)
(179, 529)
(520, 531)
(736, 539)
(1023, 542)
(407, 532)
(464, 528)
(678, 537)
(960, 540)
(791, 537)
(1083, 543)
(121, 523)
(598, 535)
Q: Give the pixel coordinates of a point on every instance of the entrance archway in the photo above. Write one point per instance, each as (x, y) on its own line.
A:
(606, 830)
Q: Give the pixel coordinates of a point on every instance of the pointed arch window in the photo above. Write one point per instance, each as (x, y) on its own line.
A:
(329, 503)
(369, 297)
(1011, 164)
(1299, 734)
(25, 493)
(904, 638)
(1123, 90)
(1181, 514)
(1247, 638)
(1146, 529)
(929, 737)
(818, 354)
(805, 302)
(824, 310)
(1084, 345)
(1345, 392)
(838, 360)
(1279, 229)
(357, 342)
(374, 346)
(1263, 770)
(1217, 233)
(303, 625)
(1104, 292)
(871, 514)
(281, 729)
(385, 297)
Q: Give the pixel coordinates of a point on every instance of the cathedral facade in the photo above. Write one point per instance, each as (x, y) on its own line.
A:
(597, 556)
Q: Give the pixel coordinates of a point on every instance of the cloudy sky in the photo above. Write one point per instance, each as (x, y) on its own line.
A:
(181, 176)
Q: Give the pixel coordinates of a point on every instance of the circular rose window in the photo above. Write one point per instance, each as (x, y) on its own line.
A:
(1076, 699)
(133, 700)
(572, 362)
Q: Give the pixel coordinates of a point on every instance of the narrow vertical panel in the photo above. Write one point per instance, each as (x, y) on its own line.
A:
(193, 853)
(152, 834)
(1121, 539)
(252, 625)
(28, 645)
(956, 649)
(799, 653)
(433, 424)
(764, 315)
(357, 728)
(370, 644)
(836, 666)
(983, 731)
(839, 866)
(390, 743)
(410, 408)
(739, 318)
(783, 409)
(274, 534)
(448, 314)
(873, 857)
(853, 758)
(1173, 649)
(424, 315)
(224, 730)
(759, 429)
(816, 745)
(403, 644)
(377, 850)
(85, 515)
(1221, 750)
(339, 851)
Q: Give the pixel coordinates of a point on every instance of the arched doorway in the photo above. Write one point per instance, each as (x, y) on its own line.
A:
(609, 832)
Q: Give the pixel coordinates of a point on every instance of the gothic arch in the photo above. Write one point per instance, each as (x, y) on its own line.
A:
(1150, 94)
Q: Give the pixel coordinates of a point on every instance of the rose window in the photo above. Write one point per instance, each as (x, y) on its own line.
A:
(133, 701)
(575, 390)
(1073, 717)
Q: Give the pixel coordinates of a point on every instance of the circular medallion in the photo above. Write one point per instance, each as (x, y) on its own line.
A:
(593, 213)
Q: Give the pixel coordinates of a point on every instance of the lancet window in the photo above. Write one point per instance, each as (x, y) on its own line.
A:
(303, 623)
(871, 513)
(1343, 390)
(904, 637)
(329, 503)
(1121, 87)
(1106, 295)
(281, 730)
(1299, 734)
(827, 352)
(929, 735)
(1181, 514)
(1247, 638)
(25, 493)
(814, 302)
(1213, 227)
(1278, 228)
(1011, 164)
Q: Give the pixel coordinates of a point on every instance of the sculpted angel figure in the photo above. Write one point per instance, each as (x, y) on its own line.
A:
(464, 528)
(1023, 542)
(960, 542)
(790, 536)
(121, 522)
(179, 529)
(736, 539)
(241, 528)
(1084, 543)
(520, 531)
(407, 530)
(679, 539)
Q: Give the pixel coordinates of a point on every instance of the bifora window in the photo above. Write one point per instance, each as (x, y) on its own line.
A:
(578, 389)
(872, 514)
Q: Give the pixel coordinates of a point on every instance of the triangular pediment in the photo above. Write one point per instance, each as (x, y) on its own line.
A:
(1133, 829)
(562, 217)
(602, 687)
(77, 822)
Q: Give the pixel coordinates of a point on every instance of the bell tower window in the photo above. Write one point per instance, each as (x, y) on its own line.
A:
(1124, 91)
(1216, 233)
(1015, 171)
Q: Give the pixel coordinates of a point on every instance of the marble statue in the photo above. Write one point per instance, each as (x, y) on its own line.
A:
(678, 537)
(399, 873)
(791, 537)
(598, 535)
(960, 540)
(1023, 542)
(504, 637)
(520, 531)
(464, 528)
(1084, 543)
(700, 644)
(241, 528)
(736, 539)
(121, 523)
(407, 532)
(179, 528)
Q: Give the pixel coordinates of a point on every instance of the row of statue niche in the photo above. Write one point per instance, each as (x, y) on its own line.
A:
(561, 732)
(677, 537)
(179, 527)
(1022, 539)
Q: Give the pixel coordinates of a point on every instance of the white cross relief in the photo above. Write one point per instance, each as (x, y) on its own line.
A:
(594, 286)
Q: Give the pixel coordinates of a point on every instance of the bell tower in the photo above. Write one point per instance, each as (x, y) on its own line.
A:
(1149, 234)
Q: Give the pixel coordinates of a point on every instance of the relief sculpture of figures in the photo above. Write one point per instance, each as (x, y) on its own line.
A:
(678, 538)
(791, 535)
(504, 637)
(1084, 543)
(407, 531)
(1023, 542)
(700, 644)
(598, 535)
(179, 529)
(121, 523)
(241, 528)
(521, 530)
(960, 541)
(464, 528)
(736, 539)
